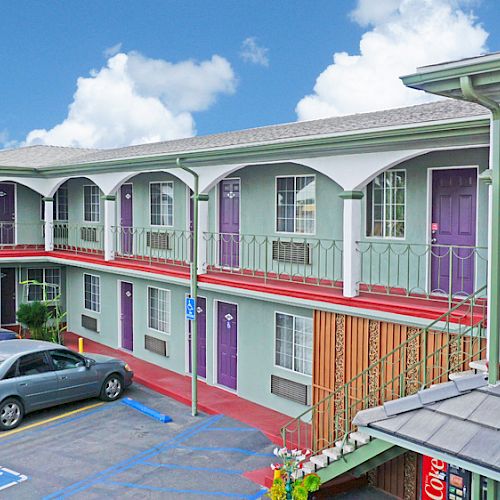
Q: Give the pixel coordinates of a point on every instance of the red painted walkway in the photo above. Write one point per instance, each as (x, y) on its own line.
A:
(414, 306)
(211, 399)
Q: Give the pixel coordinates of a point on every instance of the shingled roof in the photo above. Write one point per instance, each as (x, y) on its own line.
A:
(446, 109)
(459, 418)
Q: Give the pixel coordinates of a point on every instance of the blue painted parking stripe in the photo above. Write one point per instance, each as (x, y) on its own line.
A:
(150, 412)
(131, 461)
(227, 450)
(175, 490)
(192, 468)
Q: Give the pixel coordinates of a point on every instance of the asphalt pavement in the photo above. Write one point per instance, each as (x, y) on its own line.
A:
(101, 450)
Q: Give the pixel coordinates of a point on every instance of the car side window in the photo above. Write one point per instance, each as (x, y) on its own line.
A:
(64, 360)
(11, 372)
(31, 364)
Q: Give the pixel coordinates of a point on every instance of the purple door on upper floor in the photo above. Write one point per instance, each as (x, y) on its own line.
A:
(7, 214)
(227, 344)
(126, 219)
(453, 227)
(229, 223)
(8, 295)
(201, 316)
(127, 315)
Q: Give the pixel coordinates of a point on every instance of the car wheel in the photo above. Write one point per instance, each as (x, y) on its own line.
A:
(11, 414)
(112, 388)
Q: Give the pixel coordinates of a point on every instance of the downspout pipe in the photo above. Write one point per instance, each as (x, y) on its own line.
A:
(471, 94)
(194, 290)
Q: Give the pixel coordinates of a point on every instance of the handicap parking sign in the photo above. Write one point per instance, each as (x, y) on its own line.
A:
(10, 478)
(190, 308)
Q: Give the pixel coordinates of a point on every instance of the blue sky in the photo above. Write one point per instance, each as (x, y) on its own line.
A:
(47, 46)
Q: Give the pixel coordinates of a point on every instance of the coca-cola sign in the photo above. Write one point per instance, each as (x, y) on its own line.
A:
(434, 484)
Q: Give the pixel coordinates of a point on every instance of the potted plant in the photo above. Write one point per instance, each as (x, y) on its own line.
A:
(33, 316)
(285, 486)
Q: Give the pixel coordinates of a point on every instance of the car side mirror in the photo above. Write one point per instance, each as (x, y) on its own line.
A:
(89, 362)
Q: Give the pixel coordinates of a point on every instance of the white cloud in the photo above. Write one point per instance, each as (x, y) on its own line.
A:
(135, 100)
(252, 52)
(112, 51)
(405, 34)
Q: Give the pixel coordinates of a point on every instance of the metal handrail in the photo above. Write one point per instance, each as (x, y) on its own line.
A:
(301, 259)
(79, 238)
(162, 245)
(407, 268)
(21, 235)
(401, 372)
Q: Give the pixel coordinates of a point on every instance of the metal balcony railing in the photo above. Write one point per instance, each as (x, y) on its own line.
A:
(296, 259)
(422, 270)
(153, 245)
(21, 236)
(79, 238)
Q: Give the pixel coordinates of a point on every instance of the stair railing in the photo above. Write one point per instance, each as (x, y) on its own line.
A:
(426, 357)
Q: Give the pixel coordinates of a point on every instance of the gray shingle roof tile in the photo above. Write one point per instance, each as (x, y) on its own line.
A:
(446, 109)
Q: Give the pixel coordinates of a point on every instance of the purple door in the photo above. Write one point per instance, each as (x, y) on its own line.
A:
(202, 337)
(7, 214)
(453, 227)
(227, 344)
(8, 295)
(127, 315)
(126, 219)
(229, 223)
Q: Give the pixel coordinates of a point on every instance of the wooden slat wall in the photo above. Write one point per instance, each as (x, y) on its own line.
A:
(345, 345)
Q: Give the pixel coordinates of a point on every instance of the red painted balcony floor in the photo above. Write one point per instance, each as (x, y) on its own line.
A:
(211, 399)
(414, 306)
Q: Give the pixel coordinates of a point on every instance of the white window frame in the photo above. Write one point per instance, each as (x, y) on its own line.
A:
(44, 280)
(98, 303)
(294, 232)
(150, 208)
(168, 320)
(384, 237)
(55, 205)
(93, 186)
(294, 316)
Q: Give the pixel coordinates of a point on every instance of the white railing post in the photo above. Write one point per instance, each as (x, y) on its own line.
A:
(351, 235)
(109, 222)
(48, 207)
(202, 238)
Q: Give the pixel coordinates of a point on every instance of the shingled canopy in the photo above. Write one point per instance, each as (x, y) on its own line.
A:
(458, 422)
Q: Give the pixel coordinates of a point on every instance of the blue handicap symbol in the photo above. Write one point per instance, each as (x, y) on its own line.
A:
(10, 478)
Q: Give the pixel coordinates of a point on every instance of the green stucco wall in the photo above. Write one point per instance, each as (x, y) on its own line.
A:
(255, 333)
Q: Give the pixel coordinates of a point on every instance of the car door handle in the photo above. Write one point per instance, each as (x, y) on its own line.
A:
(24, 384)
(64, 377)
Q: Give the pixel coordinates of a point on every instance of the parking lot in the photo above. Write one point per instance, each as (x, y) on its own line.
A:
(94, 450)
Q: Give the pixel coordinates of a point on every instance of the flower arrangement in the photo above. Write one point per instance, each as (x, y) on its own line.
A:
(285, 485)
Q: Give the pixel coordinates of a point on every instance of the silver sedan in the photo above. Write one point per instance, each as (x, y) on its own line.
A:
(36, 375)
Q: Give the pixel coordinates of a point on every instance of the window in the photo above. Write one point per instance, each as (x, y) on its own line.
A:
(294, 341)
(386, 205)
(51, 277)
(159, 309)
(59, 207)
(91, 204)
(11, 372)
(31, 364)
(64, 360)
(161, 198)
(296, 204)
(92, 292)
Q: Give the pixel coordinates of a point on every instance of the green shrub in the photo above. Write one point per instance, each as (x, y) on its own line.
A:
(34, 316)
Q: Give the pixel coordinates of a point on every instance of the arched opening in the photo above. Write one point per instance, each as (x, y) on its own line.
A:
(153, 213)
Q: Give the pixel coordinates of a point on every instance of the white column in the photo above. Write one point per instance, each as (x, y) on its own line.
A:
(109, 222)
(202, 242)
(48, 207)
(352, 234)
